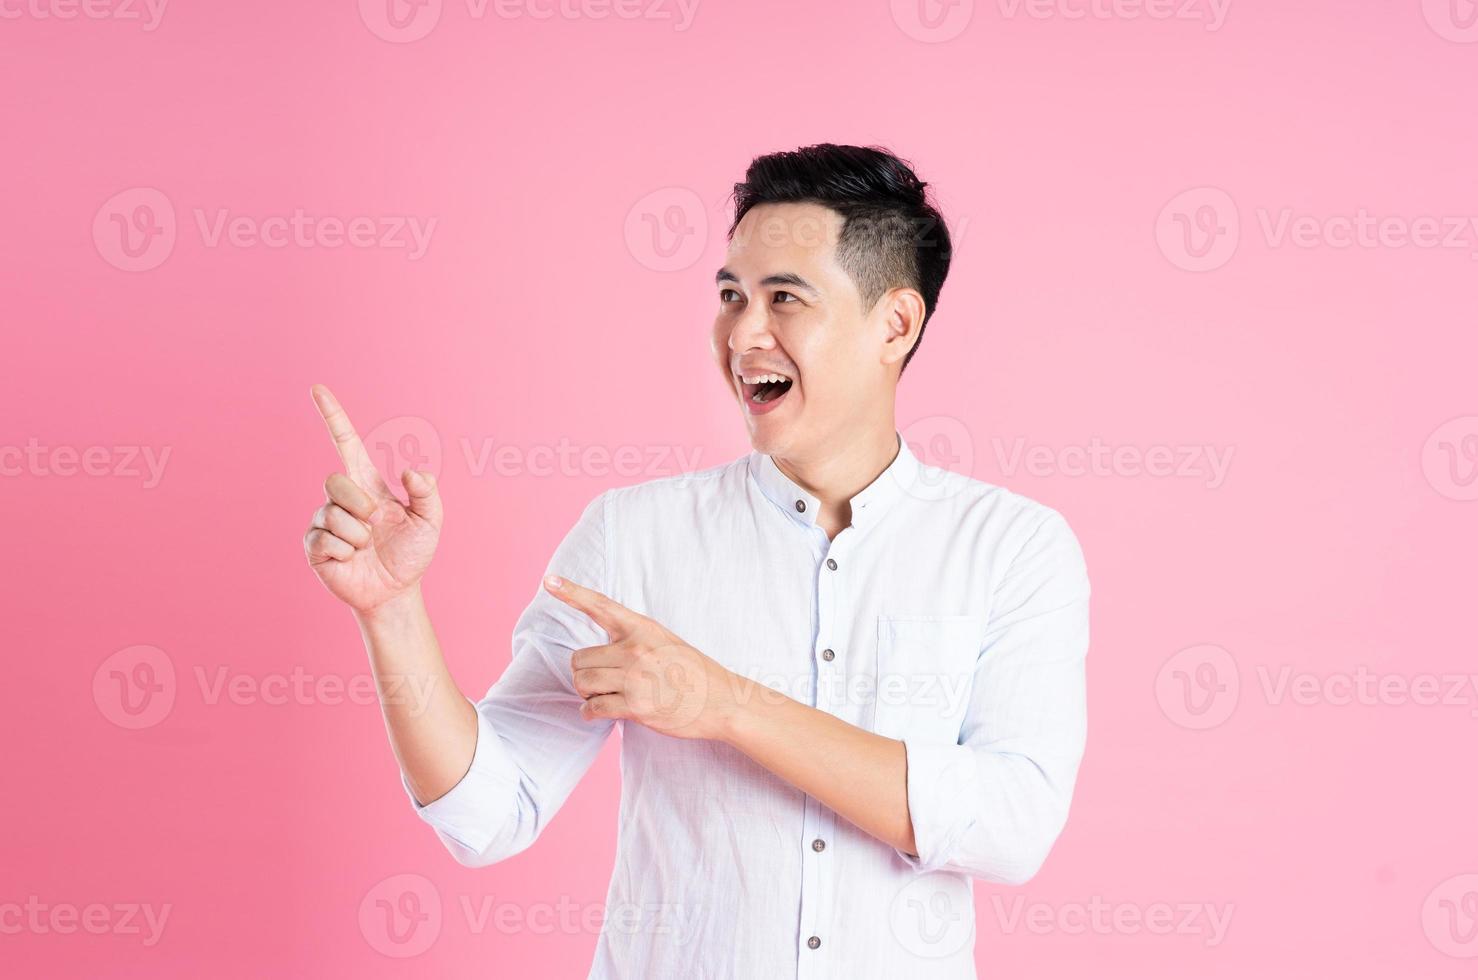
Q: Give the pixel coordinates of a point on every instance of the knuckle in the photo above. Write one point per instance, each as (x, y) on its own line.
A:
(342, 522)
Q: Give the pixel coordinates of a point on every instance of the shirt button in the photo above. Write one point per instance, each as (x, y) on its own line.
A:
(800, 505)
(818, 845)
(828, 655)
(831, 563)
(814, 942)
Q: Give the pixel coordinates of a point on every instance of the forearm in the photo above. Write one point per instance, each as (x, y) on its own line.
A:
(858, 774)
(432, 726)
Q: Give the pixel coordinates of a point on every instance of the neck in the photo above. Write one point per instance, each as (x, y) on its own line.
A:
(837, 476)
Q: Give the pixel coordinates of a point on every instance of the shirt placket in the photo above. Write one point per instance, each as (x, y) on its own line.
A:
(828, 694)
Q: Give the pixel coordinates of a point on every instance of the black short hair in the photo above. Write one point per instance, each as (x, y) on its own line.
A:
(892, 235)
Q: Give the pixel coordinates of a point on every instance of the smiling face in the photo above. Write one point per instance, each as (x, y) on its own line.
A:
(812, 370)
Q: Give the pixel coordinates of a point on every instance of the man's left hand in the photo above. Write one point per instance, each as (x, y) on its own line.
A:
(646, 673)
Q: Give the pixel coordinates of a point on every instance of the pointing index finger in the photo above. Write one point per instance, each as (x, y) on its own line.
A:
(351, 449)
(608, 614)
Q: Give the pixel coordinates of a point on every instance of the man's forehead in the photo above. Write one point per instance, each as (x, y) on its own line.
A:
(784, 235)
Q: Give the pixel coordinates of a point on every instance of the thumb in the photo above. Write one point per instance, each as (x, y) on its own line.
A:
(425, 500)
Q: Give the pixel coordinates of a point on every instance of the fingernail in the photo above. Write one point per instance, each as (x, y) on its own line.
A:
(554, 582)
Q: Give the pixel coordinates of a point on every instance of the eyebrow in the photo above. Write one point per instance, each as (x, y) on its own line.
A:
(778, 279)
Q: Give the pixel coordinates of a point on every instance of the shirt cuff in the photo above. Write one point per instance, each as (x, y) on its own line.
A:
(462, 813)
(943, 787)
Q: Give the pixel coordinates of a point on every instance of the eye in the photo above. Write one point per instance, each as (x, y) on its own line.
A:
(728, 296)
(792, 296)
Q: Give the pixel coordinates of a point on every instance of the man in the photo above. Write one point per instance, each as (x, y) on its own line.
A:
(847, 682)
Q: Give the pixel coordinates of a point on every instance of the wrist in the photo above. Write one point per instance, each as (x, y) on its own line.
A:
(741, 709)
(399, 610)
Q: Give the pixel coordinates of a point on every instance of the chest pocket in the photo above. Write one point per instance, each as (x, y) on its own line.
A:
(925, 672)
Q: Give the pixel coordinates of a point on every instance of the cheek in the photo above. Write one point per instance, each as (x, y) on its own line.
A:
(719, 338)
(819, 360)
(719, 349)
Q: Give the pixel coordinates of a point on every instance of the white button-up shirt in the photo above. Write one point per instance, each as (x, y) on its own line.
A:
(951, 615)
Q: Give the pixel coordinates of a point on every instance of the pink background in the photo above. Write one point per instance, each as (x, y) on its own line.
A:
(1336, 833)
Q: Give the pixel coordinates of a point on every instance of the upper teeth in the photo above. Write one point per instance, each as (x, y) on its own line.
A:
(759, 379)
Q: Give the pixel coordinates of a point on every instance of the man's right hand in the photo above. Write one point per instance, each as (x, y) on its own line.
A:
(367, 547)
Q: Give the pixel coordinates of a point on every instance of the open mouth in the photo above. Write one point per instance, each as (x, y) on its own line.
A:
(764, 389)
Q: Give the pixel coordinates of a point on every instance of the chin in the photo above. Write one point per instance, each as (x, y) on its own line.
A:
(771, 438)
(774, 432)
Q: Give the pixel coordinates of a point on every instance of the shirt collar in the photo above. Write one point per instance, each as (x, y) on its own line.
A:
(868, 506)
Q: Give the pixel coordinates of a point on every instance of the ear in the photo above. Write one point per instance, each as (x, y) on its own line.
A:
(903, 317)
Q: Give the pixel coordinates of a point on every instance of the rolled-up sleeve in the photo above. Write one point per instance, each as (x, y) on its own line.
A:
(532, 745)
(993, 804)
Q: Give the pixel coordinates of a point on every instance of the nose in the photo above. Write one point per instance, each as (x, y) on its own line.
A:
(752, 330)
